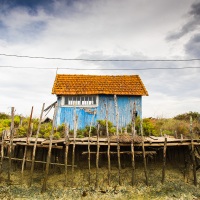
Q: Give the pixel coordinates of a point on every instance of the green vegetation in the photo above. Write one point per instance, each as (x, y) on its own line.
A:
(178, 125)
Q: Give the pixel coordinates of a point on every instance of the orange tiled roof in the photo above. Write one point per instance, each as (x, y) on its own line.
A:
(65, 84)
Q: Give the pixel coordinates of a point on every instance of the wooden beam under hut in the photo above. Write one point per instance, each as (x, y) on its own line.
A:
(136, 153)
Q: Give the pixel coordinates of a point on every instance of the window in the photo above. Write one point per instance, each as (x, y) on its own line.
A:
(79, 101)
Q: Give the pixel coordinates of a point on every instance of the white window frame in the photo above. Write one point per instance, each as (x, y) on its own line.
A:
(81, 101)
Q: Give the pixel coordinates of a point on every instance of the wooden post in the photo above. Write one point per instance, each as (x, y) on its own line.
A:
(25, 148)
(108, 150)
(10, 150)
(118, 145)
(74, 143)
(66, 150)
(132, 144)
(49, 151)
(144, 156)
(175, 134)
(164, 160)
(31, 130)
(2, 151)
(35, 145)
(89, 165)
(97, 158)
(192, 153)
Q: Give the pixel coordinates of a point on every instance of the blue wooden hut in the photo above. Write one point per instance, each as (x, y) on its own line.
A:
(87, 97)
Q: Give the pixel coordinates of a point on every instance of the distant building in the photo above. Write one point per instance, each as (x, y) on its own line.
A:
(87, 96)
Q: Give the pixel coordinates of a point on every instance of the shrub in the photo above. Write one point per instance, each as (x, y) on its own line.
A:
(22, 131)
(4, 116)
(111, 128)
(56, 135)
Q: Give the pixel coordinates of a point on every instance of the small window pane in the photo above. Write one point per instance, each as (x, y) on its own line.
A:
(66, 101)
(94, 100)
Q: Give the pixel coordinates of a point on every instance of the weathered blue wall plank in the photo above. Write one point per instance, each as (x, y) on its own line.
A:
(86, 116)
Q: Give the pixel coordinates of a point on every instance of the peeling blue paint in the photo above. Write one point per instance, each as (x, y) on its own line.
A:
(124, 105)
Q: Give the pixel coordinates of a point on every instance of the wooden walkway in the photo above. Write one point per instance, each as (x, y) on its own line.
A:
(132, 145)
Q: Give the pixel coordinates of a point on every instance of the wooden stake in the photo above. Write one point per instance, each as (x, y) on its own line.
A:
(2, 151)
(66, 150)
(132, 144)
(118, 145)
(108, 150)
(35, 145)
(164, 160)
(10, 147)
(49, 151)
(25, 148)
(74, 143)
(97, 158)
(89, 165)
(144, 157)
(192, 153)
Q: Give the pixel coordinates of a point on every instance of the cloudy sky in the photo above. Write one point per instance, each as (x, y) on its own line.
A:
(163, 32)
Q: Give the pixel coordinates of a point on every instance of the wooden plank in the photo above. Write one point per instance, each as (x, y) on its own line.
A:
(38, 145)
(39, 161)
(122, 152)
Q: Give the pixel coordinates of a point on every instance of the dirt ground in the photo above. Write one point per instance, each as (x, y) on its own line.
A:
(174, 187)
